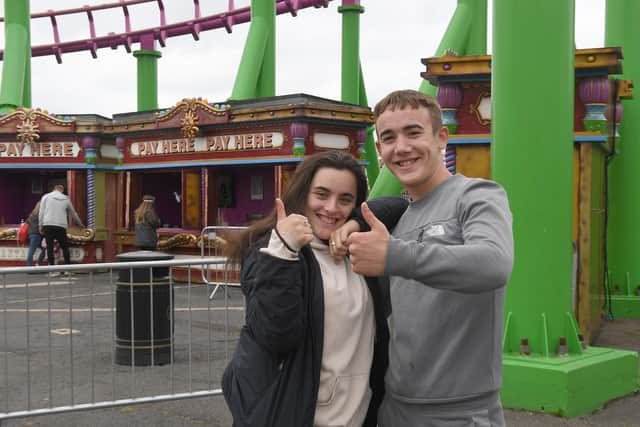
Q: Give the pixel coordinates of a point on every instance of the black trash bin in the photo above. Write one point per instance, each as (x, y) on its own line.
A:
(150, 293)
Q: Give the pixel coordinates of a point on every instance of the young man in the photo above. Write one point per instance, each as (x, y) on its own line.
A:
(448, 260)
(54, 209)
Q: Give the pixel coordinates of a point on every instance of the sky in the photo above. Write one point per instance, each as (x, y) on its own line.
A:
(394, 36)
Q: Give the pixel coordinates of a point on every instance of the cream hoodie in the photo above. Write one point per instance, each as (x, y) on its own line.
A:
(349, 330)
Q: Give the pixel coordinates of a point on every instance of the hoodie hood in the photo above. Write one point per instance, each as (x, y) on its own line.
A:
(59, 196)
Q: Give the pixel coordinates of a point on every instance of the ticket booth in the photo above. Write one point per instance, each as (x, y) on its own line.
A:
(222, 164)
(37, 151)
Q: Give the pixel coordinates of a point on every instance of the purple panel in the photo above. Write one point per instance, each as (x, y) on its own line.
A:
(163, 186)
(17, 197)
(244, 207)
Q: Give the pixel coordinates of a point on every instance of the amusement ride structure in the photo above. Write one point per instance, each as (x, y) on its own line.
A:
(555, 114)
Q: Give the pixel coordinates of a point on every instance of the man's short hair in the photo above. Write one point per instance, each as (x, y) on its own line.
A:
(401, 99)
(59, 187)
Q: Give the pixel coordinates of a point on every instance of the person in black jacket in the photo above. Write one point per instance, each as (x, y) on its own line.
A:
(313, 350)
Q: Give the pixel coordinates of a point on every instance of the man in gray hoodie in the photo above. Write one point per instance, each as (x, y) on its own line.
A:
(448, 260)
(54, 210)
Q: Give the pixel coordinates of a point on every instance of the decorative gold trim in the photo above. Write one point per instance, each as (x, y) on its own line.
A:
(182, 239)
(87, 235)
(75, 237)
(31, 124)
(190, 121)
(28, 130)
(625, 89)
(474, 108)
(8, 233)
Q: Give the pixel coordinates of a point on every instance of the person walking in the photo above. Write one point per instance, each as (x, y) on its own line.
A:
(54, 210)
(35, 238)
(146, 223)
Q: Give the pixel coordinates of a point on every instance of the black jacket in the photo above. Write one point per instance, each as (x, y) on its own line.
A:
(273, 377)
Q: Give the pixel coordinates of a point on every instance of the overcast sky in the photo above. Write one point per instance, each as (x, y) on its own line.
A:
(394, 36)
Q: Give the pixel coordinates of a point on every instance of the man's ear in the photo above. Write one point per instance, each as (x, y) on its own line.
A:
(443, 137)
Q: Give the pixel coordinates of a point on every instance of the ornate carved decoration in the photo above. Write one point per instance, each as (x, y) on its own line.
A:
(82, 237)
(28, 130)
(190, 114)
(182, 239)
(189, 125)
(87, 235)
(8, 233)
(29, 124)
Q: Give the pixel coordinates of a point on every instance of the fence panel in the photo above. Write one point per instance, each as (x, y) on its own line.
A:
(68, 341)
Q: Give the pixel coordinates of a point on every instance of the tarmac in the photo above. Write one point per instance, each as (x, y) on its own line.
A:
(212, 411)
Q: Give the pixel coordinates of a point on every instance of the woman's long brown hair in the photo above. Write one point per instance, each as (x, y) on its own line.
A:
(295, 197)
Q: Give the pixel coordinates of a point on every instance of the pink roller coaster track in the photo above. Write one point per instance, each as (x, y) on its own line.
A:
(145, 37)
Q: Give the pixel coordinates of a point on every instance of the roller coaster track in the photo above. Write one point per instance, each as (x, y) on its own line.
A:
(145, 37)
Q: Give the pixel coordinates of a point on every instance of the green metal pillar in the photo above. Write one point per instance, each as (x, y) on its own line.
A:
(623, 240)
(350, 10)
(545, 366)
(147, 58)
(353, 88)
(256, 77)
(15, 90)
(465, 35)
(370, 151)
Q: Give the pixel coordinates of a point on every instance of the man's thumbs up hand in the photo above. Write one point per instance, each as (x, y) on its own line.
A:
(294, 229)
(368, 250)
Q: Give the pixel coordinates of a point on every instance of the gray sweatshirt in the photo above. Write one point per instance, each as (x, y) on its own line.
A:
(54, 208)
(449, 259)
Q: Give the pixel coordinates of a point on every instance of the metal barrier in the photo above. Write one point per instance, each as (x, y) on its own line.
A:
(212, 242)
(58, 336)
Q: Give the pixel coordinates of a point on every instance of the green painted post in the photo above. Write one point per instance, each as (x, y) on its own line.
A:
(353, 87)
(266, 10)
(15, 89)
(256, 73)
(147, 74)
(469, 19)
(623, 243)
(532, 110)
(350, 10)
(370, 151)
(456, 37)
(477, 40)
(542, 202)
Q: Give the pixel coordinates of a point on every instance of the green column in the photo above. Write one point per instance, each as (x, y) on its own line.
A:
(147, 78)
(623, 240)
(15, 89)
(531, 156)
(370, 151)
(256, 75)
(477, 40)
(466, 33)
(350, 11)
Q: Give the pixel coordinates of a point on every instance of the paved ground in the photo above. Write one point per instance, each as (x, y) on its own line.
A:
(210, 411)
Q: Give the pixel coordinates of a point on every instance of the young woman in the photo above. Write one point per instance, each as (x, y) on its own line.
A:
(313, 350)
(146, 220)
(35, 238)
